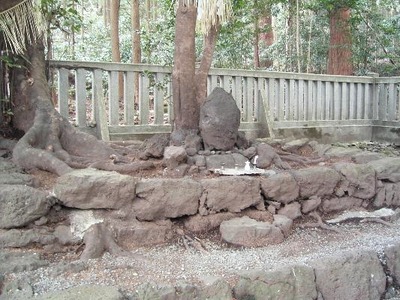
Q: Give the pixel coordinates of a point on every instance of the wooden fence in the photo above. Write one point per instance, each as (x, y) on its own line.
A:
(88, 93)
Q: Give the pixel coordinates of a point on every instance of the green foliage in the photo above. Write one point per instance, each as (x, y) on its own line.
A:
(375, 33)
(61, 14)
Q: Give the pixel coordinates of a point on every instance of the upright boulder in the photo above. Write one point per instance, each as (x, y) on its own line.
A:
(219, 121)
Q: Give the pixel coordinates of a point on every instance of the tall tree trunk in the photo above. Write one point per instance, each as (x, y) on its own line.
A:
(340, 53)
(186, 108)
(266, 34)
(210, 39)
(115, 50)
(256, 47)
(136, 48)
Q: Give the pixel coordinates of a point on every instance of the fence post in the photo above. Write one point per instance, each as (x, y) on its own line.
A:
(100, 107)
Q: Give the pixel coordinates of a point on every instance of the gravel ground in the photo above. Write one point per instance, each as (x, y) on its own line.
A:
(172, 264)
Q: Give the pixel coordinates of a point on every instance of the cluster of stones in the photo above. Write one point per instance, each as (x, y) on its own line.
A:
(248, 210)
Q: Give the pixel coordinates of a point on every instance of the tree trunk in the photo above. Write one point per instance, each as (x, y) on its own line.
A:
(210, 39)
(115, 51)
(256, 39)
(340, 53)
(50, 142)
(267, 35)
(136, 48)
(186, 108)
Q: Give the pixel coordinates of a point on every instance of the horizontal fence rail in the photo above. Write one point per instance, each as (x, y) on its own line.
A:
(125, 99)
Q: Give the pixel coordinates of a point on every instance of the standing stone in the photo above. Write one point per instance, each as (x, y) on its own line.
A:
(219, 121)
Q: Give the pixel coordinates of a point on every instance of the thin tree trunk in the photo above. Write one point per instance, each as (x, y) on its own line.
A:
(210, 39)
(298, 54)
(340, 53)
(309, 44)
(256, 37)
(267, 35)
(115, 50)
(136, 47)
(186, 108)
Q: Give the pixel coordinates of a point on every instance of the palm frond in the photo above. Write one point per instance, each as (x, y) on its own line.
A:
(211, 12)
(20, 26)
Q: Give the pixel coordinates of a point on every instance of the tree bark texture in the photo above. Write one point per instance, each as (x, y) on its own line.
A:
(340, 53)
(186, 108)
(136, 47)
(266, 36)
(115, 49)
(210, 39)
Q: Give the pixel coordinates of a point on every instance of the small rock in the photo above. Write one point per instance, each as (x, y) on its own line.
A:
(292, 210)
(174, 156)
(310, 204)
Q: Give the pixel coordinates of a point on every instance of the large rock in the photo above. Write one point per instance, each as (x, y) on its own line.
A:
(351, 276)
(219, 121)
(387, 168)
(85, 292)
(388, 194)
(392, 255)
(166, 198)
(17, 178)
(17, 238)
(316, 181)
(232, 194)
(134, 233)
(358, 181)
(340, 204)
(250, 233)
(20, 205)
(199, 223)
(94, 189)
(281, 187)
(13, 262)
(292, 282)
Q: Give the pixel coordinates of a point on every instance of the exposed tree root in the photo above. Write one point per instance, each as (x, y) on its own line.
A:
(304, 161)
(319, 223)
(192, 242)
(377, 220)
(50, 142)
(98, 239)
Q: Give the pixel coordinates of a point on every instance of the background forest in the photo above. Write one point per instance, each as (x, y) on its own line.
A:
(276, 35)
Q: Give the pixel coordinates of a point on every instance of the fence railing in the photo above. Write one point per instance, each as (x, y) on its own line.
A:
(89, 93)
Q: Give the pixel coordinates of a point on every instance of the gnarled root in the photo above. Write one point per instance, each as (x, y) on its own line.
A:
(319, 223)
